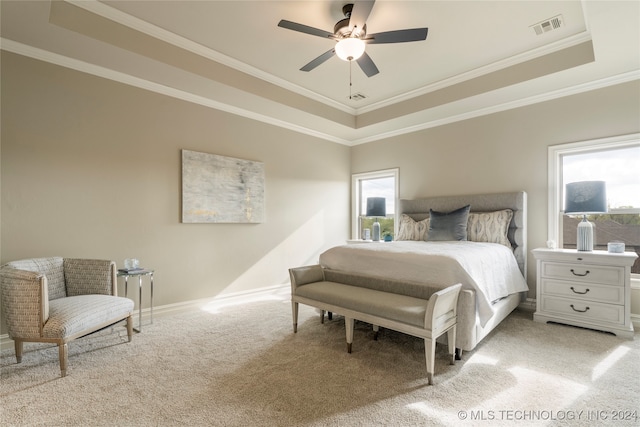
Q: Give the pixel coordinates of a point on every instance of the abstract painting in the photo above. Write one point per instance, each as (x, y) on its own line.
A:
(221, 189)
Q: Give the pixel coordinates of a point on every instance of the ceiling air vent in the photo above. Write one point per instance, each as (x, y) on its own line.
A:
(357, 96)
(548, 25)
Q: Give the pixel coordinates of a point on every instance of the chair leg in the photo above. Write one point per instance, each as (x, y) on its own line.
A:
(376, 329)
(130, 328)
(321, 316)
(294, 314)
(451, 343)
(18, 346)
(63, 351)
(348, 324)
(430, 354)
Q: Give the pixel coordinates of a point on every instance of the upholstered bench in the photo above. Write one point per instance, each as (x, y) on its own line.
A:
(341, 293)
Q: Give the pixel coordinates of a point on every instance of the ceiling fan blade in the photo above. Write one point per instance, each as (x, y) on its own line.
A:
(398, 36)
(319, 60)
(305, 29)
(366, 63)
(360, 13)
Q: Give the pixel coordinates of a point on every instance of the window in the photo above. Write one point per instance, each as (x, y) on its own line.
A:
(613, 160)
(373, 184)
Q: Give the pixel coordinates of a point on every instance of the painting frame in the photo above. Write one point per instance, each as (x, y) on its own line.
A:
(221, 189)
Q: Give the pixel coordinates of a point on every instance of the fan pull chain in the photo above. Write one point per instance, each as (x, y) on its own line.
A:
(350, 84)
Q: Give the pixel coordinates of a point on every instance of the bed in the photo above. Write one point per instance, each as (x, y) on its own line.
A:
(491, 264)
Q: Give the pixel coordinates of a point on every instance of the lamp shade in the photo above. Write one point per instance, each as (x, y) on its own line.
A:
(586, 197)
(376, 206)
(350, 48)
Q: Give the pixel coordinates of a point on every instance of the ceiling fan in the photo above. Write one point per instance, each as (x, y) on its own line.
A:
(351, 36)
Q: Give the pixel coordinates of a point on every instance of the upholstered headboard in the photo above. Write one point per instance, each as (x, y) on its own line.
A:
(418, 209)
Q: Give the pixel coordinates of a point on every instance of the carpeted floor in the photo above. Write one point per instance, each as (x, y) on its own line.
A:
(243, 366)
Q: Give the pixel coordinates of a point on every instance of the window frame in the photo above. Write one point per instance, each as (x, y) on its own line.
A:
(356, 178)
(555, 187)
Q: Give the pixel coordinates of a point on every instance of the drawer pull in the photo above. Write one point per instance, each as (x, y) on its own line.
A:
(581, 293)
(579, 311)
(577, 274)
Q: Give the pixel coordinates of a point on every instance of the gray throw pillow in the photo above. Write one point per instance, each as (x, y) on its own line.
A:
(448, 226)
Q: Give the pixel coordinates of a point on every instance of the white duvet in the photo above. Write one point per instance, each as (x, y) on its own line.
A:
(490, 269)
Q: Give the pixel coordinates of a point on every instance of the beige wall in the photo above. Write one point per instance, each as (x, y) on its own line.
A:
(504, 151)
(91, 168)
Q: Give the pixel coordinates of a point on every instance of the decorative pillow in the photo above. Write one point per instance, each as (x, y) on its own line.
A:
(490, 227)
(411, 229)
(449, 226)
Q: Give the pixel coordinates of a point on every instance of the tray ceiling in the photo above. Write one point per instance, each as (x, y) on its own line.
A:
(479, 56)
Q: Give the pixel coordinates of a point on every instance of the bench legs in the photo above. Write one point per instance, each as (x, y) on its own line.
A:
(429, 346)
(348, 324)
(430, 351)
(430, 355)
(451, 343)
(329, 316)
(429, 343)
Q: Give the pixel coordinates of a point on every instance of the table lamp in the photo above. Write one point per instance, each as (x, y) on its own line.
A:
(585, 197)
(376, 207)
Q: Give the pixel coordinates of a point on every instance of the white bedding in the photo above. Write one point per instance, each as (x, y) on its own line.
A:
(490, 269)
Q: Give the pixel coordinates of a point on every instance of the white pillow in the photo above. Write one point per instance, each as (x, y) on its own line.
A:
(490, 227)
(410, 229)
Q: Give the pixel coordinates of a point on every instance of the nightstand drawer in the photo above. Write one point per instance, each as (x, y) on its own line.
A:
(584, 291)
(583, 310)
(588, 273)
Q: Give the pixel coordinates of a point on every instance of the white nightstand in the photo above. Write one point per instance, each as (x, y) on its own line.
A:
(587, 289)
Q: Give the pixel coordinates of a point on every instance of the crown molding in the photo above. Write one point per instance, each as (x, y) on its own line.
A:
(149, 29)
(548, 96)
(115, 15)
(481, 71)
(82, 66)
(96, 70)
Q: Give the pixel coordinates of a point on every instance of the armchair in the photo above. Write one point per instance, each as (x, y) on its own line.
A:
(57, 300)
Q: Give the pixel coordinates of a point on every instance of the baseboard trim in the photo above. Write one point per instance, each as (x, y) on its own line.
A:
(529, 305)
(635, 320)
(276, 292)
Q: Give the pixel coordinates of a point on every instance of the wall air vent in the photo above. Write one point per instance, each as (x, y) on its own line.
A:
(357, 96)
(548, 25)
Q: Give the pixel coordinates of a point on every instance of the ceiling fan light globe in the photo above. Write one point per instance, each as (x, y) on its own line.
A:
(350, 49)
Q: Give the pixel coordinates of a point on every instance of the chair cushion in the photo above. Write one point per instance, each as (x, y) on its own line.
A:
(87, 276)
(52, 268)
(71, 316)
